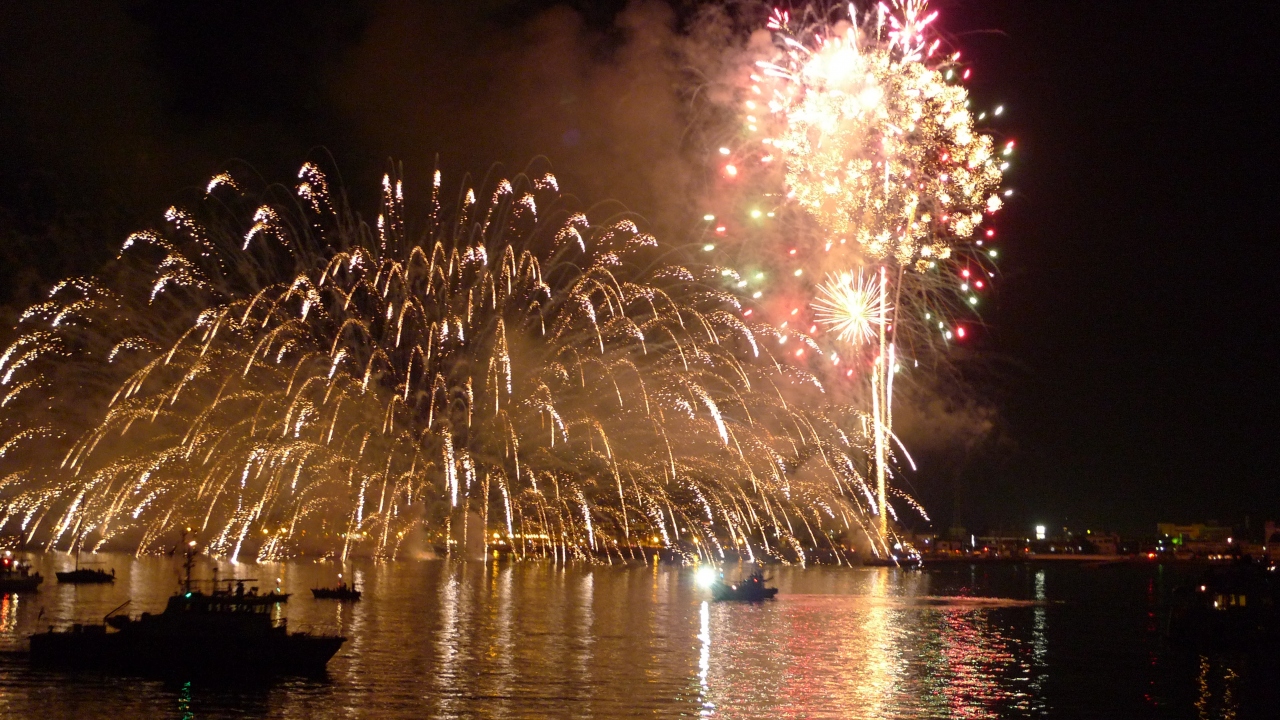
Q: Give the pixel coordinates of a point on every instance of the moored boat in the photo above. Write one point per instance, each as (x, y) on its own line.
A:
(220, 633)
(16, 576)
(1234, 608)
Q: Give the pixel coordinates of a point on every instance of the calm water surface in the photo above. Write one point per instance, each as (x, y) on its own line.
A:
(451, 639)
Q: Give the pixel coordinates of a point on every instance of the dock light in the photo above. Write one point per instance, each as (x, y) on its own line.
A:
(1040, 532)
(705, 576)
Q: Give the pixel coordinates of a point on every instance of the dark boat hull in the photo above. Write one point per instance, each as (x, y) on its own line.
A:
(334, 594)
(1232, 608)
(29, 583)
(92, 647)
(742, 593)
(1206, 629)
(82, 577)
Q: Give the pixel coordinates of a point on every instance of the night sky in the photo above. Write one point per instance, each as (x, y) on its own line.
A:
(1129, 344)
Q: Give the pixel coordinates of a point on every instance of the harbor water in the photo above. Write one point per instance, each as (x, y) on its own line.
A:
(439, 638)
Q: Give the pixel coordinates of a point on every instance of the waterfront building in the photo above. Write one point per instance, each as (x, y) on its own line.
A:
(1198, 539)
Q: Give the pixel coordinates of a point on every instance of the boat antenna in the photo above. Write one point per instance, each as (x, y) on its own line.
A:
(188, 564)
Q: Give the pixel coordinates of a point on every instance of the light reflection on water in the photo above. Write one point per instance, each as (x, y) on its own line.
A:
(447, 639)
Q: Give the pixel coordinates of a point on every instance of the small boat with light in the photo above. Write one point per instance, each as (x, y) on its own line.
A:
(342, 591)
(751, 588)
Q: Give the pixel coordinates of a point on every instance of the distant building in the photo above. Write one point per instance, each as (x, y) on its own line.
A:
(1198, 532)
(948, 547)
(1198, 539)
(1104, 543)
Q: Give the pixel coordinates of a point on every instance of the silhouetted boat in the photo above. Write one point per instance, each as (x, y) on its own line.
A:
(1234, 607)
(222, 633)
(751, 589)
(16, 576)
(341, 592)
(86, 575)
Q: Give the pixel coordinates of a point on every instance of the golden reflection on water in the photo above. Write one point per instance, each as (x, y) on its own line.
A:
(485, 640)
(707, 708)
(1218, 696)
(9, 612)
(879, 647)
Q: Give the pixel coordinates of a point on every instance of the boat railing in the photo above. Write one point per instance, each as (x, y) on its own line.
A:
(118, 608)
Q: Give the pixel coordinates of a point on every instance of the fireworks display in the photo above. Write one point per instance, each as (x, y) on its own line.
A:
(280, 377)
(878, 143)
(852, 307)
(862, 126)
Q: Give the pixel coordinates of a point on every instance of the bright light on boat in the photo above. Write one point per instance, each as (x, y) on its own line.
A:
(705, 576)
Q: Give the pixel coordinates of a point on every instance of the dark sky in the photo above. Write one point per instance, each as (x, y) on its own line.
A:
(1132, 332)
